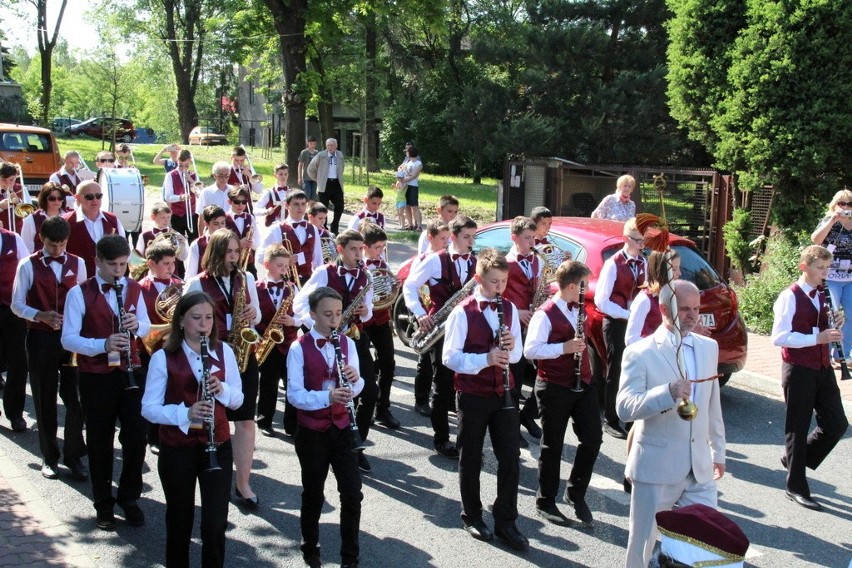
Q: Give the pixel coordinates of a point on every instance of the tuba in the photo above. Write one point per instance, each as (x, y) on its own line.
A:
(422, 341)
(242, 336)
(274, 333)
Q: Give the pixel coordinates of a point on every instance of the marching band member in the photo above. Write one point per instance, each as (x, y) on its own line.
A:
(215, 194)
(12, 193)
(645, 314)
(214, 218)
(525, 269)
(51, 203)
(42, 283)
(325, 435)
(174, 401)
(372, 203)
(13, 330)
(161, 214)
(179, 193)
(221, 280)
(445, 272)
(479, 353)
(552, 342)
(271, 203)
(543, 219)
(448, 208)
(801, 329)
(91, 329)
(619, 281)
(67, 176)
(105, 159)
(348, 278)
(89, 224)
(317, 216)
(303, 237)
(271, 293)
(378, 328)
(243, 223)
(240, 173)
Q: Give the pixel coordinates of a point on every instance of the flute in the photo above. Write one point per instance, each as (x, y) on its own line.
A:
(508, 403)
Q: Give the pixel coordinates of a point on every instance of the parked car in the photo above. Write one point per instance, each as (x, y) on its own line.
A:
(101, 128)
(205, 135)
(593, 241)
(60, 124)
(34, 148)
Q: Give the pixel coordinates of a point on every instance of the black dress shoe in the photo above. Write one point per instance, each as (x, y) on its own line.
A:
(247, 502)
(784, 462)
(615, 430)
(581, 509)
(549, 512)
(18, 424)
(106, 520)
(805, 502)
(267, 431)
(513, 537)
(534, 430)
(363, 464)
(423, 409)
(48, 471)
(447, 449)
(628, 485)
(133, 514)
(479, 530)
(349, 565)
(79, 471)
(386, 419)
(313, 561)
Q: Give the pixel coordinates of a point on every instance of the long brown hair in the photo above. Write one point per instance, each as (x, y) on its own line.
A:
(658, 273)
(187, 302)
(213, 261)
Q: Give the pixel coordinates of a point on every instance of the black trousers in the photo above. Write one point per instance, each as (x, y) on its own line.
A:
(807, 391)
(333, 194)
(381, 336)
(180, 225)
(519, 371)
(443, 393)
(366, 401)
(613, 336)
(13, 330)
(423, 378)
(179, 468)
(105, 400)
(273, 370)
(50, 375)
(558, 404)
(476, 415)
(317, 451)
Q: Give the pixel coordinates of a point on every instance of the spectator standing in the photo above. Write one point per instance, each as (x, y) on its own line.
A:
(327, 169)
(308, 183)
(618, 206)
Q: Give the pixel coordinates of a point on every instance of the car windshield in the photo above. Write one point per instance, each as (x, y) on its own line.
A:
(693, 267)
(26, 141)
(500, 239)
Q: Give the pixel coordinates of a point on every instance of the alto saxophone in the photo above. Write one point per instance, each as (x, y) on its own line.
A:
(241, 337)
(348, 315)
(274, 333)
(245, 253)
(422, 341)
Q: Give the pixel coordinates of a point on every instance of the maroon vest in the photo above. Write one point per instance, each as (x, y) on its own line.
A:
(379, 219)
(150, 294)
(79, 241)
(248, 223)
(315, 371)
(654, 318)
(626, 285)
(223, 304)
(449, 283)
(149, 236)
(183, 387)
(289, 233)
(100, 322)
(234, 180)
(276, 206)
(39, 217)
(520, 289)
(383, 316)
(8, 265)
(267, 310)
(46, 293)
(338, 283)
(202, 246)
(561, 370)
(179, 207)
(65, 179)
(805, 319)
(480, 339)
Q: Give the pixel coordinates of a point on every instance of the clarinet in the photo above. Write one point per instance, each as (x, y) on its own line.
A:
(128, 354)
(357, 442)
(508, 403)
(213, 464)
(838, 345)
(581, 321)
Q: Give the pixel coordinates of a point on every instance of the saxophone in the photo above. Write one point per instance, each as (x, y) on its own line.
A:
(242, 336)
(422, 341)
(245, 254)
(348, 315)
(274, 333)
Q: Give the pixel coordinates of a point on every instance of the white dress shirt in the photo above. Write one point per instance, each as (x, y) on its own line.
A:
(536, 345)
(212, 195)
(297, 394)
(169, 195)
(318, 279)
(154, 408)
(428, 271)
(270, 198)
(24, 281)
(782, 326)
(640, 307)
(606, 282)
(96, 227)
(455, 357)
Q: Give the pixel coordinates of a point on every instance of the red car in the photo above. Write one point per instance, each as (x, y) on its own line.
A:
(592, 241)
(102, 128)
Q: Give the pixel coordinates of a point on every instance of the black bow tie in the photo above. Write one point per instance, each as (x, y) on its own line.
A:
(241, 216)
(106, 288)
(158, 231)
(275, 285)
(59, 259)
(813, 292)
(464, 257)
(487, 303)
(342, 271)
(302, 224)
(165, 281)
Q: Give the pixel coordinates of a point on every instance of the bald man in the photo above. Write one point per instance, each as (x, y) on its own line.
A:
(327, 169)
(89, 223)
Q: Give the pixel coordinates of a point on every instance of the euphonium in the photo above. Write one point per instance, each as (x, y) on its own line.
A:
(242, 336)
(348, 316)
(137, 265)
(422, 341)
(274, 333)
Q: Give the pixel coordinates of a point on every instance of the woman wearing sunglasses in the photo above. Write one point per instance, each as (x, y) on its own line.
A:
(834, 232)
(51, 202)
(243, 223)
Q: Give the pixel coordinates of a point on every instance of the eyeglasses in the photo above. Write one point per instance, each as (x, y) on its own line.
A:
(107, 160)
(93, 196)
(55, 198)
(639, 241)
(239, 202)
(221, 175)
(845, 203)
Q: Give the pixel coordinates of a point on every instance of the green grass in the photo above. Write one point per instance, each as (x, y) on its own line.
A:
(477, 201)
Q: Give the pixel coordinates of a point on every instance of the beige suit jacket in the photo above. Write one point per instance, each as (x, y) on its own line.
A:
(318, 169)
(665, 447)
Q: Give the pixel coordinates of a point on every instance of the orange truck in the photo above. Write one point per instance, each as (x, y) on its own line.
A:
(34, 149)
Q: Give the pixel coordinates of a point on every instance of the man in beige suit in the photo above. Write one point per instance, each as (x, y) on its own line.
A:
(672, 461)
(327, 169)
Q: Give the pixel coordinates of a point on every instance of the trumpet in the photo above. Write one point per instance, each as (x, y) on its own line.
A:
(255, 177)
(293, 271)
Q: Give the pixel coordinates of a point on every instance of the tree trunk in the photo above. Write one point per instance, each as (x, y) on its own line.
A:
(325, 107)
(46, 83)
(370, 86)
(186, 64)
(289, 19)
(46, 44)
